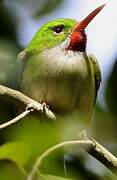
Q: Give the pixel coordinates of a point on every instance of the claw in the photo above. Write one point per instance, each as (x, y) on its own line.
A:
(45, 105)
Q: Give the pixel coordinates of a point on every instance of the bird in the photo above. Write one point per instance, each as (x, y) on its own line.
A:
(55, 68)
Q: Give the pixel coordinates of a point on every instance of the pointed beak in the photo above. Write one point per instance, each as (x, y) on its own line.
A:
(84, 23)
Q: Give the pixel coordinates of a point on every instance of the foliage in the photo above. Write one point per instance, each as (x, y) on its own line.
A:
(48, 6)
(111, 90)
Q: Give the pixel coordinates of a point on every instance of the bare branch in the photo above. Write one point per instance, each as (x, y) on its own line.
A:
(91, 146)
(24, 102)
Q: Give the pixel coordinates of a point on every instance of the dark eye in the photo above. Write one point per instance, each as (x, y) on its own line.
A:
(58, 29)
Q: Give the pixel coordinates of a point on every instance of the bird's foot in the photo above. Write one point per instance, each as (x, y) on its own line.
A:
(35, 106)
(44, 106)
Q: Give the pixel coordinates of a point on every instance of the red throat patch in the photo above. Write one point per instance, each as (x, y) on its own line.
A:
(78, 41)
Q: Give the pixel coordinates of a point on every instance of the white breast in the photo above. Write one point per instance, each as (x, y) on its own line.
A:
(62, 61)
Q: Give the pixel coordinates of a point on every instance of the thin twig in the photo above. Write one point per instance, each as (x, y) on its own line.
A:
(88, 145)
(22, 115)
(50, 150)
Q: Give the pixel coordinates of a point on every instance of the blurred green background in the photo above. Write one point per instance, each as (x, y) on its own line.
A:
(22, 142)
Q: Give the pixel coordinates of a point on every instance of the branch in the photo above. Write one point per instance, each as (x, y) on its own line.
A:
(91, 146)
(23, 102)
(104, 156)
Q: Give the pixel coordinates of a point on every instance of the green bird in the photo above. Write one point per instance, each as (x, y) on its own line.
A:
(54, 68)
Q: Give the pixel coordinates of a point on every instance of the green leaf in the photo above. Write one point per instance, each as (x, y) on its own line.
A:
(18, 152)
(10, 171)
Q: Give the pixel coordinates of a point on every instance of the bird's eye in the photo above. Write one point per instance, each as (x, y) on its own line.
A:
(58, 29)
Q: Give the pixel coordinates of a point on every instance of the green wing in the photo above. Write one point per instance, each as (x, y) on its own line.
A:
(97, 74)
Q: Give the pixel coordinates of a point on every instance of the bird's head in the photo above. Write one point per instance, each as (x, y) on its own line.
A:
(62, 30)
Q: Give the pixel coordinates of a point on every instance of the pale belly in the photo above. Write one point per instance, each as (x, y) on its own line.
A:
(64, 87)
(63, 95)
